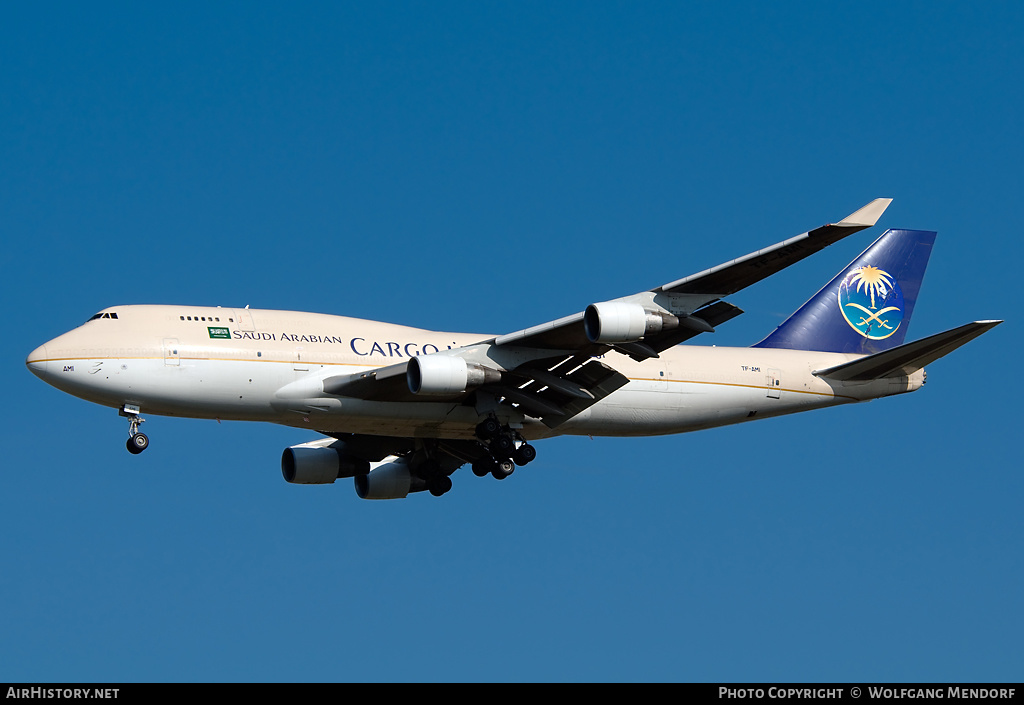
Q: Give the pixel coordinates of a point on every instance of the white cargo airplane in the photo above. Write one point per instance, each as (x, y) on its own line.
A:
(403, 408)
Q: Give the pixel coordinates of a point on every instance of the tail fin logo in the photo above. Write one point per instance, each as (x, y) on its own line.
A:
(871, 301)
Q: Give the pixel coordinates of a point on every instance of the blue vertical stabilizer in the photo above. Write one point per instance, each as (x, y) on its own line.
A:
(866, 309)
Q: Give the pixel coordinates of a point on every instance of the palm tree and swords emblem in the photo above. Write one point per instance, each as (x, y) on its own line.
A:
(871, 302)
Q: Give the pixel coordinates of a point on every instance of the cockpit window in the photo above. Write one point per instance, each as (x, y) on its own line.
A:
(108, 314)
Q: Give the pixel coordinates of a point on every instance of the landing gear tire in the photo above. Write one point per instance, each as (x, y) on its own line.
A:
(138, 443)
(503, 446)
(488, 429)
(439, 485)
(482, 467)
(524, 454)
(502, 469)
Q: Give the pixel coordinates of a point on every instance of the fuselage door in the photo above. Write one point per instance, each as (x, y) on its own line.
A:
(171, 356)
(301, 364)
(244, 319)
(774, 384)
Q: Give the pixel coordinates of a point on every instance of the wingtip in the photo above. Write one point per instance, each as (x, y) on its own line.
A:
(868, 215)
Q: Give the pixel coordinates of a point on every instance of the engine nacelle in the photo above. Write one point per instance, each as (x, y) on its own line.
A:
(392, 480)
(623, 322)
(319, 465)
(445, 374)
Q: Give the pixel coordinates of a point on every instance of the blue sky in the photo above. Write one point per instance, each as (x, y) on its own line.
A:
(485, 167)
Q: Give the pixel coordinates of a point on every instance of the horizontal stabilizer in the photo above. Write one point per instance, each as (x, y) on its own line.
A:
(906, 359)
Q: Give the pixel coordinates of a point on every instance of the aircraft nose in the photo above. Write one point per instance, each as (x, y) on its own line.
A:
(36, 361)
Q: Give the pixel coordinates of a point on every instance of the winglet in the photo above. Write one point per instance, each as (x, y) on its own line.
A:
(868, 215)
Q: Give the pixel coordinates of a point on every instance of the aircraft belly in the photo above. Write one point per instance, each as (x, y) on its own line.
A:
(407, 419)
(202, 388)
(687, 406)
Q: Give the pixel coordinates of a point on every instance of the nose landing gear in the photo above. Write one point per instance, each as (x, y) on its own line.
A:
(137, 441)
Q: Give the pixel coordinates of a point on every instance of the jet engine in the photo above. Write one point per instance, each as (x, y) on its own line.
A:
(311, 464)
(445, 374)
(623, 322)
(391, 480)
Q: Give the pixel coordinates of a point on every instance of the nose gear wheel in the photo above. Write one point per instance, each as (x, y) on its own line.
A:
(137, 441)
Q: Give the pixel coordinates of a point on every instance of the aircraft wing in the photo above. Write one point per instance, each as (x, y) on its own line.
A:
(381, 384)
(694, 300)
(551, 371)
(551, 389)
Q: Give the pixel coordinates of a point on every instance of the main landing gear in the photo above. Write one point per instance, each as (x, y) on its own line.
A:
(437, 480)
(137, 441)
(506, 449)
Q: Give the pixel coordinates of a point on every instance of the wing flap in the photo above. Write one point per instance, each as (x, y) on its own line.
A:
(566, 388)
